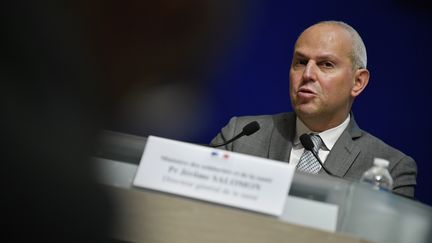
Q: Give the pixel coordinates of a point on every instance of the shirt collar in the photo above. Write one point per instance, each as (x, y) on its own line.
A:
(329, 137)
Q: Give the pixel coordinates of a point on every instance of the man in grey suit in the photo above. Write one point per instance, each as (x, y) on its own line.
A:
(328, 71)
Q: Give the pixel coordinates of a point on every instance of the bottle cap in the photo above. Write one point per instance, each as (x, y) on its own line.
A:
(381, 162)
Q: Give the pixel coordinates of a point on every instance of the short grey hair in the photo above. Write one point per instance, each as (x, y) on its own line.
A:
(358, 55)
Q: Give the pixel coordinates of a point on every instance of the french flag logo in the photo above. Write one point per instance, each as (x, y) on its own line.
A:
(221, 155)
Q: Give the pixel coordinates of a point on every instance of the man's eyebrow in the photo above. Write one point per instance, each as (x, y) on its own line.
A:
(298, 54)
(326, 57)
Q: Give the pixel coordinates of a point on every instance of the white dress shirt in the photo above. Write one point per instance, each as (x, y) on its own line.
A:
(329, 138)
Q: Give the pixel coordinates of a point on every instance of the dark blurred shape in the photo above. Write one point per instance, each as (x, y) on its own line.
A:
(70, 68)
(50, 105)
(156, 55)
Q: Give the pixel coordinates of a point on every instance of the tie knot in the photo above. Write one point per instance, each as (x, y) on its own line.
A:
(317, 141)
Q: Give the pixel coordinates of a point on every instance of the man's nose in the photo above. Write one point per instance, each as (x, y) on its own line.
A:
(309, 73)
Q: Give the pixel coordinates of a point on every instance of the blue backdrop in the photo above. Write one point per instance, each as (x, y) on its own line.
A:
(251, 76)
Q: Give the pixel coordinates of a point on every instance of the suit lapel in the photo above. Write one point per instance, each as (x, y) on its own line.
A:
(345, 151)
(282, 136)
(339, 160)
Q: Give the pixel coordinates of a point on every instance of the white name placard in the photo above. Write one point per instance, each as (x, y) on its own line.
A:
(214, 175)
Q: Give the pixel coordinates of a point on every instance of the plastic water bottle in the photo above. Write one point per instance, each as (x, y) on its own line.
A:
(378, 176)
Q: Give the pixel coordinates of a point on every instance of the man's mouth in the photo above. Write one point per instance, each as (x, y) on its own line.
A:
(305, 94)
(306, 90)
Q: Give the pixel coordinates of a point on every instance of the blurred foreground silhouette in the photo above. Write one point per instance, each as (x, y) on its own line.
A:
(71, 68)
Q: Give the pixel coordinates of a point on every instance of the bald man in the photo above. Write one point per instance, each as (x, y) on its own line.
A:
(328, 71)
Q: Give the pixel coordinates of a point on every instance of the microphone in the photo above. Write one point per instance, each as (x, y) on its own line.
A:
(307, 143)
(249, 129)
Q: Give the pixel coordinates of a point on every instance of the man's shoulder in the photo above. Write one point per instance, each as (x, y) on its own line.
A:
(379, 147)
(370, 142)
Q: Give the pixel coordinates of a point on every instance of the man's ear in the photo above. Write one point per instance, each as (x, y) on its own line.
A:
(361, 80)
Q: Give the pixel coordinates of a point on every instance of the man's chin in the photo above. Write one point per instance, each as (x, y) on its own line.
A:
(306, 111)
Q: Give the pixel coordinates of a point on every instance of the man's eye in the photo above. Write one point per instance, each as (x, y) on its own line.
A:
(327, 64)
(301, 62)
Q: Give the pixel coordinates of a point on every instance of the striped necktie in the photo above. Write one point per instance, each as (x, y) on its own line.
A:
(308, 163)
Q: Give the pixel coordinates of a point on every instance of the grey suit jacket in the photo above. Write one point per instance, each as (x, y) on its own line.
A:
(350, 157)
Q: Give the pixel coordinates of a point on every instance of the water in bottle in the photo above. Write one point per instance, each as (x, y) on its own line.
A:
(378, 176)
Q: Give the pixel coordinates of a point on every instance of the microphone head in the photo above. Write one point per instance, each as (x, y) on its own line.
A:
(306, 141)
(251, 128)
